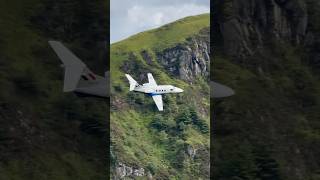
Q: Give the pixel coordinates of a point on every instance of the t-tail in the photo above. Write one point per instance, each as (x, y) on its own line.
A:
(74, 67)
(133, 83)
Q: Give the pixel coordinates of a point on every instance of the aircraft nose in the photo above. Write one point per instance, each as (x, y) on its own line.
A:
(179, 90)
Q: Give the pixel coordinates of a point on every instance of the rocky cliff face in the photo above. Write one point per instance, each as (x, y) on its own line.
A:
(188, 60)
(247, 25)
(196, 155)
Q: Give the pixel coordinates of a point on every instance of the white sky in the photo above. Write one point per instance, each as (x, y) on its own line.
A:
(129, 17)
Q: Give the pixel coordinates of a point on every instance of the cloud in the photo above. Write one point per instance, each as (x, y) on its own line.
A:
(155, 16)
(137, 16)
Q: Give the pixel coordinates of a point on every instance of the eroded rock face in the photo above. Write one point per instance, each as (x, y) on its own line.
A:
(123, 171)
(186, 60)
(190, 59)
(247, 24)
(191, 151)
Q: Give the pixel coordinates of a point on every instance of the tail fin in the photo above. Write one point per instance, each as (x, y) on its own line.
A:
(132, 82)
(74, 67)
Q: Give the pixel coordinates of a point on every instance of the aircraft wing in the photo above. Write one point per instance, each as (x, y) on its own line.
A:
(158, 100)
(151, 79)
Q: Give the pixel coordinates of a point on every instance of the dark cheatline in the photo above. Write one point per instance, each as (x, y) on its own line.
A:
(219, 90)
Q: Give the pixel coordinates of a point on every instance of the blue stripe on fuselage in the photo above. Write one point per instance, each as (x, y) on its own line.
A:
(154, 94)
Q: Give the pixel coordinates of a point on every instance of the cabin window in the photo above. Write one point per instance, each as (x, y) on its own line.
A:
(171, 89)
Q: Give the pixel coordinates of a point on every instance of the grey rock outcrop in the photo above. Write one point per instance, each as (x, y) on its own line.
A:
(191, 151)
(187, 60)
(247, 24)
(190, 59)
(123, 170)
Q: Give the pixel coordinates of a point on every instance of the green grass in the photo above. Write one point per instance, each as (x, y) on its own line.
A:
(137, 140)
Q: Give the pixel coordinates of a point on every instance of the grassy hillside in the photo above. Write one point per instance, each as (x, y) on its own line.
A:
(144, 137)
(155, 41)
(270, 128)
(46, 134)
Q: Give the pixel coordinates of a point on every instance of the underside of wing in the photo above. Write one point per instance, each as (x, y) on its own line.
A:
(158, 100)
(151, 79)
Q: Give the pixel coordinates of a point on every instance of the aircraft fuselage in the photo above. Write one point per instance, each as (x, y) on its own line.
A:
(157, 90)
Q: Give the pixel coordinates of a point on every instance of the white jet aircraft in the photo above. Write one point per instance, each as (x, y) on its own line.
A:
(153, 89)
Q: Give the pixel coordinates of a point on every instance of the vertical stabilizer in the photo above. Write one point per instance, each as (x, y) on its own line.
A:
(74, 67)
(132, 82)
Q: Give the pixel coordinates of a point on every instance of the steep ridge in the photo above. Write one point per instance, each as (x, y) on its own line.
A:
(268, 52)
(173, 144)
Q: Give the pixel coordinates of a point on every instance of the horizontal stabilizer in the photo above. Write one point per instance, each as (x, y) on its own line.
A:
(151, 80)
